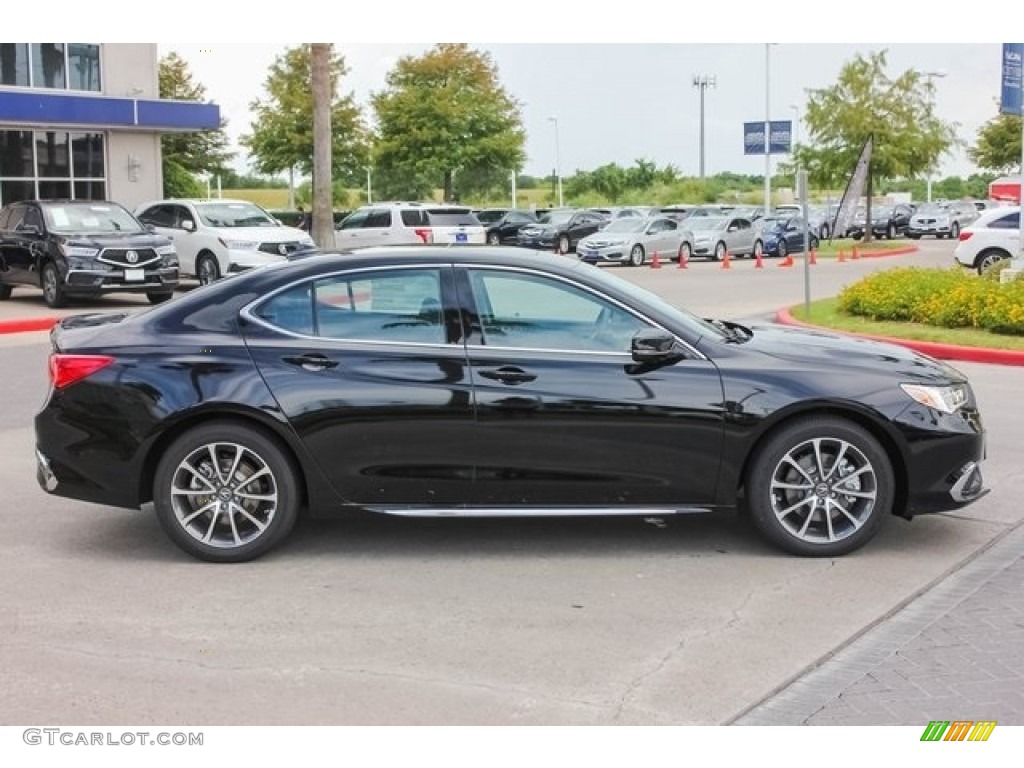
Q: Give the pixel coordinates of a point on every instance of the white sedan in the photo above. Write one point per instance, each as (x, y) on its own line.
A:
(995, 236)
(633, 240)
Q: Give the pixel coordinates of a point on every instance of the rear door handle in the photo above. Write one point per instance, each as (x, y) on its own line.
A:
(311, 362)
(508, 374)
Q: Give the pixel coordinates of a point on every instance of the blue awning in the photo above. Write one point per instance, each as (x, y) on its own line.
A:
(74, 110)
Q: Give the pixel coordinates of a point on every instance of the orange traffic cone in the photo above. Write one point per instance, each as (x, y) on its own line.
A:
(558, 249)
(853, 254)
(788, 261)
(814, 257)
(726, 259)
(655, 261)
(682, 262)
(758, 261)
(842, 256)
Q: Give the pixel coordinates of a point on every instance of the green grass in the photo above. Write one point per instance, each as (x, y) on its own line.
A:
(276, 199)
(824, 313)
(832, 248)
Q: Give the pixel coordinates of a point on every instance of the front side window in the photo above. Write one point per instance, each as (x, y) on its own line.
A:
(378, 219)
(402, 305)
(534, 312)
(355, 220)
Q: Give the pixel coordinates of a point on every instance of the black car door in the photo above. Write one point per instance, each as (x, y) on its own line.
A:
(371, 373)
(24, 244)
(565, 417)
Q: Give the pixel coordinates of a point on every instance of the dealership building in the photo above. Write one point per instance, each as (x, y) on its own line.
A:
(83, 121)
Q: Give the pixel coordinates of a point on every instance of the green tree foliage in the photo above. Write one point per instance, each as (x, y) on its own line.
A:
(865, 101)
(187, 154)
(998, 147)
(282, 133)
(445, 120)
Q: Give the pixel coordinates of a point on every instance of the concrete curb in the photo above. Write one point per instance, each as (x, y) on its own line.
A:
(23, 324)
(941, 351)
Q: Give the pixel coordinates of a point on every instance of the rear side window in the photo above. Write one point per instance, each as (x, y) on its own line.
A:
(414, 218)
(447, 218)
(1009, 221)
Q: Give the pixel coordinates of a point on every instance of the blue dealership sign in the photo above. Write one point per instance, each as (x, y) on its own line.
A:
(1010, 98)
(780, 141)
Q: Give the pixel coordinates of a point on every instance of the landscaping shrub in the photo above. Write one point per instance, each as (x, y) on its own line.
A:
(948, 298)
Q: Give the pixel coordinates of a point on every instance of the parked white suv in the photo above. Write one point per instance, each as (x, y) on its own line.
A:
(995, 236)
(217, 237)
(409, 224)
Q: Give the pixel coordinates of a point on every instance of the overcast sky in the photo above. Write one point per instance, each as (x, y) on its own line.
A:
(619, 79)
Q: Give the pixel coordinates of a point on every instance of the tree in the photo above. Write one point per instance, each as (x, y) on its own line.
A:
(908, 139)
(187, 154)
(323, 220)
(998, 147)
(445, 120)
(282, 133)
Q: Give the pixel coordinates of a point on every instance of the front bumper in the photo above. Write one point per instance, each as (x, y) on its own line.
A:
(95, 282)
(919, 230)
(609, 253)
(538, 242)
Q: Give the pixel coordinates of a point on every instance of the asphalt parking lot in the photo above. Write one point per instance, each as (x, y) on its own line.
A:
(683, 621)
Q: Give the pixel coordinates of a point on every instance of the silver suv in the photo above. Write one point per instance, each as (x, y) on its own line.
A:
(409, 224)
(941, 219)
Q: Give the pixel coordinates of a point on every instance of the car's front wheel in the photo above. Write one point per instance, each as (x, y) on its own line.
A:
(493, 239)
(5, 292)
(637, 256)
(207, 269)
(954, 231)
(719, 252)
(783, 249)
(53, 286)
(157, 297)
(563, 244)
(685, 252)
(819, 487)
(226, 492)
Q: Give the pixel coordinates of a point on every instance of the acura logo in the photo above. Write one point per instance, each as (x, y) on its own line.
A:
(132, 257)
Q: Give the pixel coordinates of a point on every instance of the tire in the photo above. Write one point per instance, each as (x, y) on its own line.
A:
(216, 513)
(954, 231)
(53, 286)
(783, 249)
(913, 237)
(719, 253)
(987, 259)
(637, 257)
(5, 292)
(797, 503)
(824, 231)
(857, 235)
(207, 269)
(158, 298)
(815, 243)
(685, 252)
(890, 232)
(493, 239)
(563, 244)
(758, 251)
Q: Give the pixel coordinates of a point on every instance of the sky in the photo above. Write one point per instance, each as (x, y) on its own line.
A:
(619, 81)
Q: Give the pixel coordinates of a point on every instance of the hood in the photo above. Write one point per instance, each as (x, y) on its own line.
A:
(263, 234)
(115, 239)
(812, 347)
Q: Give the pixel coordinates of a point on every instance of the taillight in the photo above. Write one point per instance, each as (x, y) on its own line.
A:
(67, 369)
(965, 235)
(425, 235)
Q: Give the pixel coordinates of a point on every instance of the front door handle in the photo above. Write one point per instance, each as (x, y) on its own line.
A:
(508, 374)
(311, 362)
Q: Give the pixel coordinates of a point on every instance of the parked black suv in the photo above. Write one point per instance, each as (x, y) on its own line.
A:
(78, 248)
(503, 224)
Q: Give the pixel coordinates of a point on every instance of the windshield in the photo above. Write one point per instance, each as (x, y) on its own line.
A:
(881, 213)
(89, 217)
(626, 224)
(231, 215)
(489, 217)
(555, 217)
(706, 222)
(933, 208)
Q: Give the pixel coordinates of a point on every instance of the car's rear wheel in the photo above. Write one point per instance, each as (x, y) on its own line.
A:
(783, 249)
(637, 257)
(5, 292)
(685, 252)
(493, 239)
(988, 259)
(226, 492)
(207, 269)
(819, 487)
(890, 232)
(954, 231)
(156, 297)
(913, 237)
(53, 286)
(824, 231)
(758, 249)
(719, 252)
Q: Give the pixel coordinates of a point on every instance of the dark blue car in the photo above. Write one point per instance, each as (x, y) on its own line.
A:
(783, 235)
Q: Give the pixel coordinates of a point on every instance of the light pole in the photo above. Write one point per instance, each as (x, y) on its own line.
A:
(558, 162)
(702, 82)
(767, 129)
(930, 77)
(796, 125)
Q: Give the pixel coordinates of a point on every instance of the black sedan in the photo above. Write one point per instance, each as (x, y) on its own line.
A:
(431, 382)
(503, 224)
(560, 228)
(888, 221)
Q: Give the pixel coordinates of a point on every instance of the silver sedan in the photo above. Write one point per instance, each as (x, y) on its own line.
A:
(634, 241)
(715, 235)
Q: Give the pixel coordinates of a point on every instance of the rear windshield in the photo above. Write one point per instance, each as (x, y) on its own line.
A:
(448, 218)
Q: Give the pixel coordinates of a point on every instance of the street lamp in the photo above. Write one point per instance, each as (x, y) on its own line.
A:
(767, 129)
(930, 77)
(558, 162)
(702, 82)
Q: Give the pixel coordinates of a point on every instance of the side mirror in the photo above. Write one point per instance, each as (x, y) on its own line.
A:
(149, 227)
(188, 225)
(653, 345)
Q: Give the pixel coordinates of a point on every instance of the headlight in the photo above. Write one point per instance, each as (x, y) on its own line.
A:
(239, 245)
(79, 251)
(166, 250)
(307, 241)
(945, 399)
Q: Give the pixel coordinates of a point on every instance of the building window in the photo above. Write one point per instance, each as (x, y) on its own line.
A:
(52, 164)
(83, 67)
(48, 65)
(14, 64)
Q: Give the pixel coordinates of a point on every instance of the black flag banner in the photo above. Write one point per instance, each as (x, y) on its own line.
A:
(854, 192)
